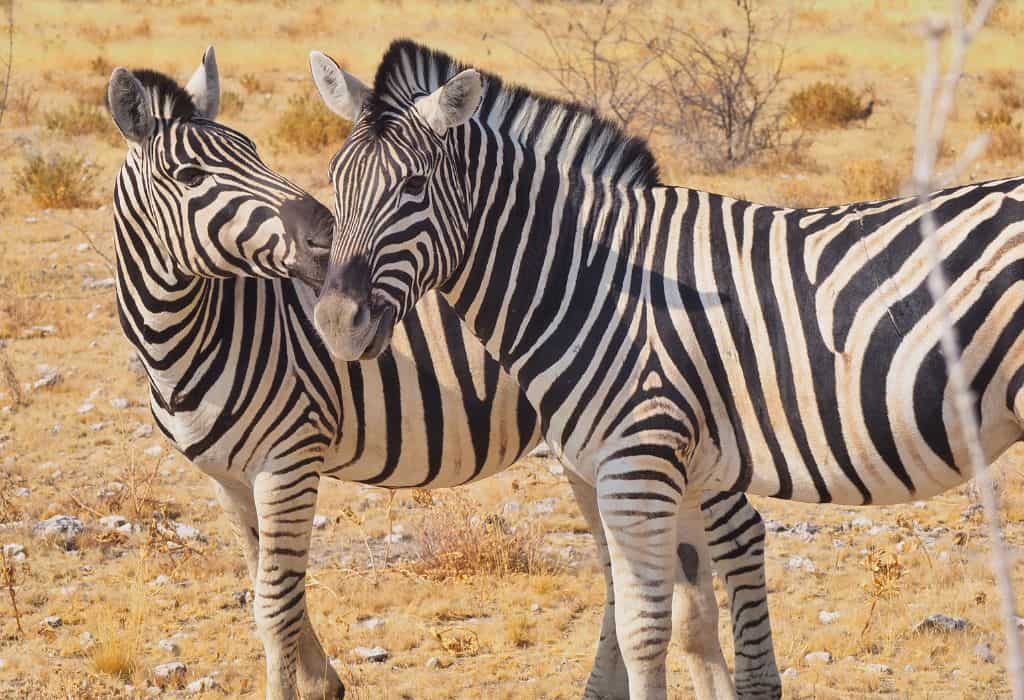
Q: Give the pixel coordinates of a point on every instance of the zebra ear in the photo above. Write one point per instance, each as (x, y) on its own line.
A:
(204, 86)
(342, 92)
(129, 106)
(453, 103)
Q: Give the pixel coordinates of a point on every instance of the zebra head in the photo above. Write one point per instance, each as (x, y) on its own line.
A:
(402, 200)
(200, 190)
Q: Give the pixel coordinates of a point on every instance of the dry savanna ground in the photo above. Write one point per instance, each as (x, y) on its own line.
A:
(508, 606)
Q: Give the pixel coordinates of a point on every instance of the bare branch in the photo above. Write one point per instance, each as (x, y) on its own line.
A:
(938, 96)
(9, 62)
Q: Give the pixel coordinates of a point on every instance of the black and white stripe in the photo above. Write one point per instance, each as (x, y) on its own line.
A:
(672, 339)
(206, 238)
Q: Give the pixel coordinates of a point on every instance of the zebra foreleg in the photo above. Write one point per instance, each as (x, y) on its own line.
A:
(607, 679)
(695, 607)
(736, 540)
(285, 505)
(316, 678)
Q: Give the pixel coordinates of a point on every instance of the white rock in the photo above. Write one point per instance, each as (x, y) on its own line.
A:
(880, 669)
(153, 691)
(161, 580)
(320, 522)
(143, 431)
(172, 670)
(818, 657)
(509, 507)
(170, 646)
(120, 402)
(798, 563)
(48, 379)
(114, 522)
(862, 522)
(375, 654)
(201, 685)
(371, 623)
(433, 662)
(827, 617)
(65, 528)
(86, 639)
(535, 608)
(544, 506)
(983, 650)
(154, 451)
(85, 408)
(14, 552)
(790, 673)
(1020, 622)
(187, 532)
(22, 492)
(53, 621)
(104, 283)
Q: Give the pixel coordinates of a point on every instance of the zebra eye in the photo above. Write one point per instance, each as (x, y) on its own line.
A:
(190, 176)
(414, 185)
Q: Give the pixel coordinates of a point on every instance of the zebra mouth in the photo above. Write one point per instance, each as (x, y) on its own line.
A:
(380, 336)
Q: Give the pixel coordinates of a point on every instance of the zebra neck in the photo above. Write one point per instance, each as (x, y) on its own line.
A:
(535, 288)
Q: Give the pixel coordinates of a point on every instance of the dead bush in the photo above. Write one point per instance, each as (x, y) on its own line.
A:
(1007, 142)
(101, 66)
(458, 539)
(231, 103)
(994, 117)
(826, 105)
(250, 83)
(57, 180)
(307, 125)
(871, 179)
(80, 119)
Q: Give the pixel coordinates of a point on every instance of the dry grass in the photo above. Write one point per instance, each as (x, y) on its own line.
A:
(57, 180)
(231, 103)
(457, 538)
(872, 178)
(490, 640)
(81, 119)
(825, 105)
(309, 126)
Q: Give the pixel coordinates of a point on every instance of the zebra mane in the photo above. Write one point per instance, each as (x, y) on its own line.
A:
(169, 99)
(410, 70)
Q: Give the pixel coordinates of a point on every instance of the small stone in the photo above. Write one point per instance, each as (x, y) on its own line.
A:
(22, 492)
(510, 507)
(983, 650)
(86, 639)
(909, 668)
(396, 538)
(320, 522)
(161, 580)
(790, 673)
(143, 431)
(153, 691)
(535, 608)
(861, 522)
(971, 511)
(374, 654)
(201, 685)
(433, 662)
(371, 623)
(114, 522)
(545, 506)
(818, 657)
(805, 531)
(104, 283)
(187, 532)
(956, 673)
(556, 469)
(242, 598)
(86, 408)
(942, 623)
(135, 365)
(827, 617)
(798, 563)
(1020, 622)
(172, 670)
(170, 646)
(154, 451)
(880, 669)
(120, 403)
(14, 552)
(48, 379)
(53, 621)
(63, 528)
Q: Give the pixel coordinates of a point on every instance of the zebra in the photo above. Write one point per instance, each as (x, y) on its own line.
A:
(671, 340)
(218, 258)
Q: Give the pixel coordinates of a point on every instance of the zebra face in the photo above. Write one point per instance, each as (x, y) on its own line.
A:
(205, 197)
(402, 207)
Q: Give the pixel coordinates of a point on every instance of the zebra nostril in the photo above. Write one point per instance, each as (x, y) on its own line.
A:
(362, 316)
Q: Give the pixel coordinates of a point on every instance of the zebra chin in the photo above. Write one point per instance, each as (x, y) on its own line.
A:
(352, 330)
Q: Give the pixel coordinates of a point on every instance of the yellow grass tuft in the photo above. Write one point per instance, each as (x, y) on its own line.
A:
(458, 539)
(117, 629)
(58, 181)
(519, 630)
(81, 119)
(307, 125)
(871, 179)
(825, 105)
